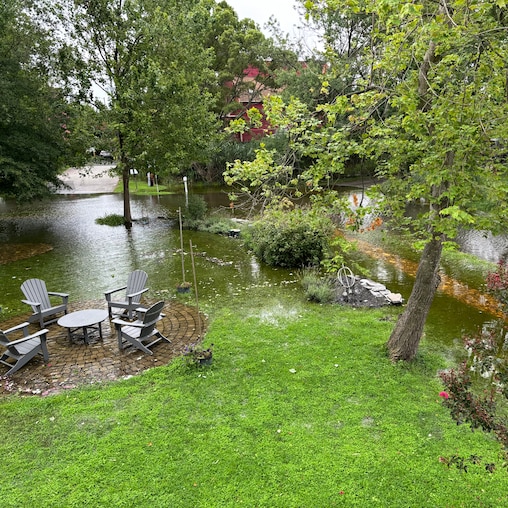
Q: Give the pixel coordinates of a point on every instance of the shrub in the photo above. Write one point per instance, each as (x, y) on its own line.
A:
(111, 220)
(196, 209)
(289, 239)
(215, 225)
(316, 287)
(477, 391)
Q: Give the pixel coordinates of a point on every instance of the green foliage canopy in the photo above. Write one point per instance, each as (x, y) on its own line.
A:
(36, 121)
(429, 107)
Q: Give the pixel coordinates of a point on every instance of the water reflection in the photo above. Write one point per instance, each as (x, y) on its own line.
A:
(484, 245)
(86, 259)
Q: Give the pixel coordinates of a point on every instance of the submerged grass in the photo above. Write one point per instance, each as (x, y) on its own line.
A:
(300, 408)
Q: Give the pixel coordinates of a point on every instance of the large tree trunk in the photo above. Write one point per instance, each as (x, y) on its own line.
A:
(405, 338)
(127, 217)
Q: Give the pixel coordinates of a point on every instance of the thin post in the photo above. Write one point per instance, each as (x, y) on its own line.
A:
(195, 288)
(181, 243)
(186, 191)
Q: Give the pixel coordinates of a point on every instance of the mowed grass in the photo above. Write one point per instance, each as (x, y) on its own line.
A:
(301, 408)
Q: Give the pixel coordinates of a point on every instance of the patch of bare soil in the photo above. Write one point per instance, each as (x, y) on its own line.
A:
(16, 251)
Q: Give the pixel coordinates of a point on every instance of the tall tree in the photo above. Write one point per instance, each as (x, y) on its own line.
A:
(448, 64)
(149, 58)
(239, 44)
(431, 112)
(36, 124)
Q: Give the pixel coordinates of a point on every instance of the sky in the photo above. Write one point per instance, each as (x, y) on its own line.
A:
(261, 10)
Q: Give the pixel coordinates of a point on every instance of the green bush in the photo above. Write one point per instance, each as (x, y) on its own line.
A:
(196, 208)
(111, 220)
(320, 292)
(289, 239)
(215, 225)
(317, 288)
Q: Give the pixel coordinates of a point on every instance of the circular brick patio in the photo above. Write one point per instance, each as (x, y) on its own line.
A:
(73, 364)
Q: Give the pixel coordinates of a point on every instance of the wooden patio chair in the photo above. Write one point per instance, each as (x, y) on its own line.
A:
(38, 297)
(20, 352)
(136, 333)
(133, 291)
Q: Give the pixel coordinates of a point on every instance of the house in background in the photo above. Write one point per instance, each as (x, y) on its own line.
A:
(250, 91)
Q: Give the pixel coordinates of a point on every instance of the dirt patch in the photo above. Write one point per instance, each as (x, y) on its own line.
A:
(16, 251)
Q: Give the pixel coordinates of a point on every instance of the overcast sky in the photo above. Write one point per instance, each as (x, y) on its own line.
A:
(261, 10)
(284, 12)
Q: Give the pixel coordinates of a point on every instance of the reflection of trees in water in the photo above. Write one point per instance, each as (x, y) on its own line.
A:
(449, 286)
(131, 249)
(16, 251)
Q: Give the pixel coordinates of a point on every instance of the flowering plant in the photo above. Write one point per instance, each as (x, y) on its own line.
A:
(497, 284)
(477, 390)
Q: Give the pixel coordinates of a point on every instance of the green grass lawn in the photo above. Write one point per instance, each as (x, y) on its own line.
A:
(301, 408)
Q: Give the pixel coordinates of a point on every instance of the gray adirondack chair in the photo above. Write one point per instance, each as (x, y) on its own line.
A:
(37, 296)
(19, 352)
(133, 291)
(137, 333)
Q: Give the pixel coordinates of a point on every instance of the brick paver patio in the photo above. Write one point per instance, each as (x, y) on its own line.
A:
(73, 364)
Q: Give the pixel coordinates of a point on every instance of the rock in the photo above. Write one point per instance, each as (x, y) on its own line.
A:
(367, 293)
(394, 298)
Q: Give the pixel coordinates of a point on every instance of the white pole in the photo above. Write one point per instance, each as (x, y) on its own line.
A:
(186, 191)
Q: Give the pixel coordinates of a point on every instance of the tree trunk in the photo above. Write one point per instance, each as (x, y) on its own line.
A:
(405, 338)
(127, 217)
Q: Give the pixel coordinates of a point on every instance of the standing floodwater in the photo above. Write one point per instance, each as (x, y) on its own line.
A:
(59, 241)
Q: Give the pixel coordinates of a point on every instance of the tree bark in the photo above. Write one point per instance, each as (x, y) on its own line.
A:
(127, 217)
(405, 338)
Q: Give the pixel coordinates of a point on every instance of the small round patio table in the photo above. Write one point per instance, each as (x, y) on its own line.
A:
(89, 319)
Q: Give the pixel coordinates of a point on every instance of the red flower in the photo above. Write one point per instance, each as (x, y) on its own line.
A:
(445, 395)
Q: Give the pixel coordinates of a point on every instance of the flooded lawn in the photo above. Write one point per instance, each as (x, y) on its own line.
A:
(59, 241)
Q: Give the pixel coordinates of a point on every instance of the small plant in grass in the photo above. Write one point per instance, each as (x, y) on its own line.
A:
(196, 355)
(317, 288)
(464, 464)
(113, 219)
(183, 287)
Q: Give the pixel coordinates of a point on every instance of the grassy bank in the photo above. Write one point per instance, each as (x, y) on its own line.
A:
(300, 408)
